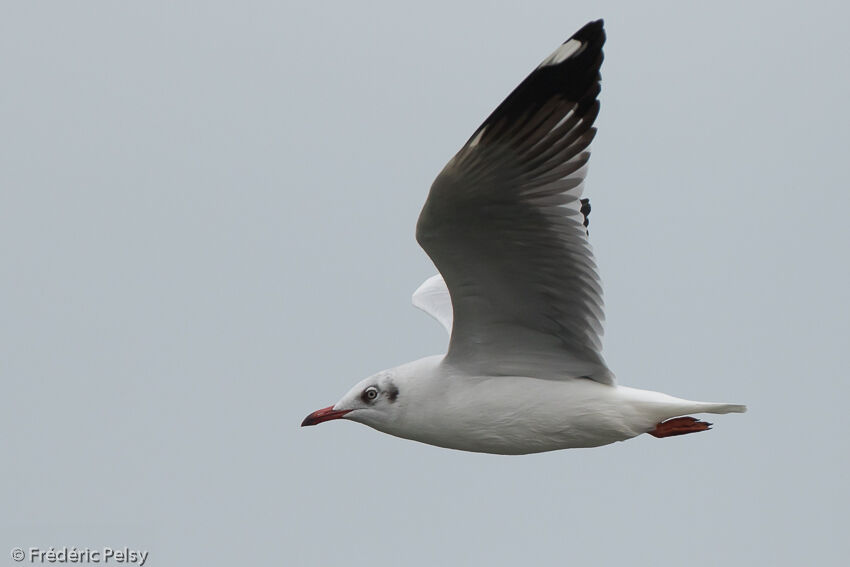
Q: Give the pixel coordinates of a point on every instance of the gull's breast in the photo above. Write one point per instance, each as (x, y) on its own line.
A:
(516, 415)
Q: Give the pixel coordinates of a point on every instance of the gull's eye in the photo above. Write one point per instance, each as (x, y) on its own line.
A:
(370, 394)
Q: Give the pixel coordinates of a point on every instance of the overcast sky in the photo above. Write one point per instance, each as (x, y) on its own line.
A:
(206, 232)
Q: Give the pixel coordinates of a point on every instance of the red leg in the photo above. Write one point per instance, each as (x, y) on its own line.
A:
(679, 426)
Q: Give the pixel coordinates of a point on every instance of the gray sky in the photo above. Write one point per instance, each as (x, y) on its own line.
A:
(206, 232)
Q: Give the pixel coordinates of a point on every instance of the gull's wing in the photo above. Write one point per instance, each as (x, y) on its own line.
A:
(433, 298)
(504, 225)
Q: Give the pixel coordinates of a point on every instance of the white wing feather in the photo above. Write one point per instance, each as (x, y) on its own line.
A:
(433, 298)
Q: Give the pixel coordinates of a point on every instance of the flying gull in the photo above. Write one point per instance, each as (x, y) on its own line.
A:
(518, 290)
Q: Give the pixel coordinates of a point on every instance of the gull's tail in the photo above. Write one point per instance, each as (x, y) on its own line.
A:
(655, 407)
(706, 407)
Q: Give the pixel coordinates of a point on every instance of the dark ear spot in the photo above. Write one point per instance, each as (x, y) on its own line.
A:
(392, 392)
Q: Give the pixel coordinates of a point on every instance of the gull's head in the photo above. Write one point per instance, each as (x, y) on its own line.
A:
(373, 402)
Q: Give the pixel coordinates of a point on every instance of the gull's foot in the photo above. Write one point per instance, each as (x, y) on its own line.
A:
(679, 426)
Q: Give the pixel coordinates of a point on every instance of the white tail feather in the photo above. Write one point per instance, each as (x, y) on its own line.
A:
(723, 408)
(656, 407)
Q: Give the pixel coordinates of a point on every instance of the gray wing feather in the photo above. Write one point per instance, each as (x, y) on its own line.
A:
(504, 226)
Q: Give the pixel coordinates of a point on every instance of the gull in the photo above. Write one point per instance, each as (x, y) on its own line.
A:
(518, 291)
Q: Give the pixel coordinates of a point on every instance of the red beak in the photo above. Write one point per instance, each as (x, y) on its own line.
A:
(324, 414)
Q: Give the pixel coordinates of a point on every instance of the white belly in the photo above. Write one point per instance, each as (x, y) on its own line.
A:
(511, 416)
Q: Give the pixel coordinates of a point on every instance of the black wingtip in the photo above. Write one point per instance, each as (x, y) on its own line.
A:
(570, 73)
(590, 31)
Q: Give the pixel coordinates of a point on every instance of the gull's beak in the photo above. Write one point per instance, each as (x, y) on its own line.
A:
(324, 414)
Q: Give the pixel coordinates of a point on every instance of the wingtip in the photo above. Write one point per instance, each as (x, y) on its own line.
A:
(590, 31)
(586, 42)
